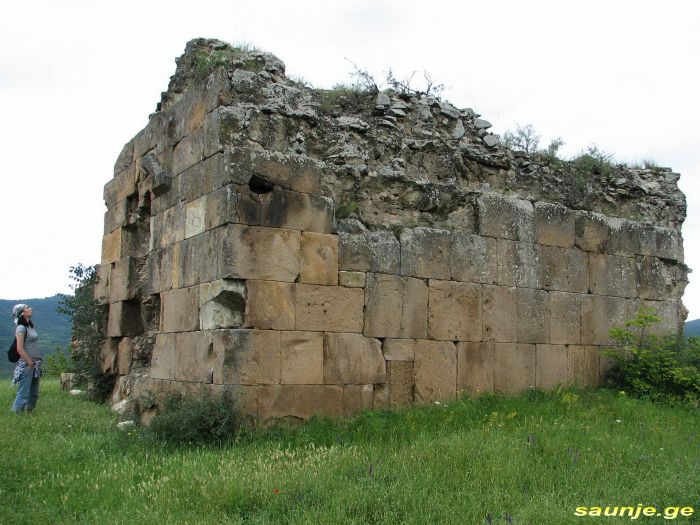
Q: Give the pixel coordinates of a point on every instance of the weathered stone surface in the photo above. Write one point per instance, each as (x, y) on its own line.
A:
(584, 365)
(352, 358)
(187, 356)
(506, 217)
(115, 217)
(250, 357)
(357, 398)
(258, 252)
(613, 275)
(500, 313)
(599, 314)
(299, 401)
(102, 290)
(302, 358)
(124, 319)
(112, 247)
(564, 270)
(400, 381)
(270, 305)
(222, 304)
(658, 279)
(168, 227)
(179, 310)
(319, 258)
(454, 311)
(108, 355)
(329, 308)
(195, 212)
(556, 225)
(533, 316)
(227, 206)
(669, 244)
(473, 259)
(425, 252)
(125, 353)
(435, 369)
(352, 279)
(399, 349)
(188, 151)
(290, 172)
(395, 306)
(514, 366)
(123, 280)
(518, 263)
(552, 366)
(475, 367)
(296, 210)
(221, 128)
(564, 318)
(121, 186)
(592, 232)
(377, 251)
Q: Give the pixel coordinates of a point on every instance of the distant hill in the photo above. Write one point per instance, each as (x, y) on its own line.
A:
(692, 328)
(54, 329)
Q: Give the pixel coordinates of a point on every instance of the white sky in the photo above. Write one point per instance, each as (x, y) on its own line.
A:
(79, 78)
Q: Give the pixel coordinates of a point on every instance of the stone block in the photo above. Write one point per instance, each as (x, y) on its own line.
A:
(400, 381)
(299, 401)
(123, 280)
(222, 304)
(556, 225)
(506, 217)
(195, 212)
(188, 114)
(658, 279)
(302, 358)
(189, 151)
(121, 186)
(270, 305)
(518, 263)
(229, 206)
(563, 269)
(297, 173)
(473, 259)
(670, 312)
(111, 247)
(499, 313)
(425, 252)
(296, 210)
(159, 268)
(115, 217)
(381, 400)
(124, 319)
(378, 251)
(584, 366)
(352, 279)
(125, 352)
(398, 349)
(352, 358)
(222, 128)
(564, 318)
(101, 290)
(669, 244)
(258, 252)
(613, 275)
(592, 232)
(475, 367)
(329, 308)
(207, 257)
(108, 355)
(533, 315)
(250, 357)
(552, 366)
(357, 399)
(395, 306)
(179, 310)
(319, 258)
(206, 177)
(625, 237)
(435, 371)
(599, 314)
(168, 227)
(454, 311)
(514, 367)
(186, 356)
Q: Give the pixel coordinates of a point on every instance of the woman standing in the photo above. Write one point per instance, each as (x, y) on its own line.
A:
(28, 369)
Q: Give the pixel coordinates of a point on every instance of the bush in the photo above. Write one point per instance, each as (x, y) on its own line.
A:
(655, 367)
(57, 363)
(195, 418)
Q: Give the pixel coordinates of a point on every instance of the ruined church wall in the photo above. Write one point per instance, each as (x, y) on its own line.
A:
(224, 266)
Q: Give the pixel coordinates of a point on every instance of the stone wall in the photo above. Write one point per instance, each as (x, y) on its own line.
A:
(321, 255)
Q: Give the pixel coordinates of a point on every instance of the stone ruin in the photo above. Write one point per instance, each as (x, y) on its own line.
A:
(331, 251)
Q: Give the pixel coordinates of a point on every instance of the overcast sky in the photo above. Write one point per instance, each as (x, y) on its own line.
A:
(79, 78)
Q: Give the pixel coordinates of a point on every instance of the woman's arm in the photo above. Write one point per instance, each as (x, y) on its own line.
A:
(20, 349)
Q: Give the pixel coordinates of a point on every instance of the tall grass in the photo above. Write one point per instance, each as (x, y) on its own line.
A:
(530, 459)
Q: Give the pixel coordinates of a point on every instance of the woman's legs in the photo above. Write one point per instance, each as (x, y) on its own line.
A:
(33, 393)
(24, 386)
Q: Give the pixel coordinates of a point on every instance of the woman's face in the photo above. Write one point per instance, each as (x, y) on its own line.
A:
(27, 312)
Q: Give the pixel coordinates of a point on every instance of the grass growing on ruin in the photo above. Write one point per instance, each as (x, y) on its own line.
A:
(525, 460)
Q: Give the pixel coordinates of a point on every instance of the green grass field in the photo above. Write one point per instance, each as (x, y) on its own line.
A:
(530, 459)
